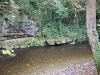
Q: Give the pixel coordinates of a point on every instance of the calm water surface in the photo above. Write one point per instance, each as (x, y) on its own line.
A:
(44, 60)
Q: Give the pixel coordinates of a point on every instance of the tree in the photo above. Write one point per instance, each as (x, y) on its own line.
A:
(91, 21)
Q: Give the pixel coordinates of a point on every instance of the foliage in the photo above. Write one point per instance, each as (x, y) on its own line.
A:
(8, 52)
(52, 30)
(33, 42)
(96, 55)
(98, 16)
(96, 52)
(56, 30)
(54, 18)
(77, 32)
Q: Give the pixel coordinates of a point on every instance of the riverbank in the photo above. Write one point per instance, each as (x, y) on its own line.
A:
(12, 43)
(31, 41)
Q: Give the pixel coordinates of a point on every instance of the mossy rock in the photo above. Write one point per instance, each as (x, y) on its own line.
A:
(50, 42)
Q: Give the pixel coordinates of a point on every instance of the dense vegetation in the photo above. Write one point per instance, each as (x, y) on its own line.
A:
(53, 18)
(57, 18)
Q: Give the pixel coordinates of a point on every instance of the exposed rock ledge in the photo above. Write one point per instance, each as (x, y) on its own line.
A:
(12, 43)
(18, 42)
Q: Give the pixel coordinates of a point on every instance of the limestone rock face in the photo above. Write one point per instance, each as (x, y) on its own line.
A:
(29, 29)
(26, 28)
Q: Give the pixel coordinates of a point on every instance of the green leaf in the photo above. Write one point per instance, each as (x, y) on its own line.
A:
(4, 51)
(12, 51)
(98, 24)
(8, 52)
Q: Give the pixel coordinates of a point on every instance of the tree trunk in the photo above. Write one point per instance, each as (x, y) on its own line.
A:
(91, 21)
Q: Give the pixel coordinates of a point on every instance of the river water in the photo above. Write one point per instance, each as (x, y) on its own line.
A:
(44, 60)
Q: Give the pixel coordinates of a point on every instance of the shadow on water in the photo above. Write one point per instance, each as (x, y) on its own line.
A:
(42, 60)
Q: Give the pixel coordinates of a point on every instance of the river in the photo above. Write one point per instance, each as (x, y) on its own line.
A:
(44, 60)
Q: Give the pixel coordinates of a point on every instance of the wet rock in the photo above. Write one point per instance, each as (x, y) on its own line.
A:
(12, 55)
(61, 41)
